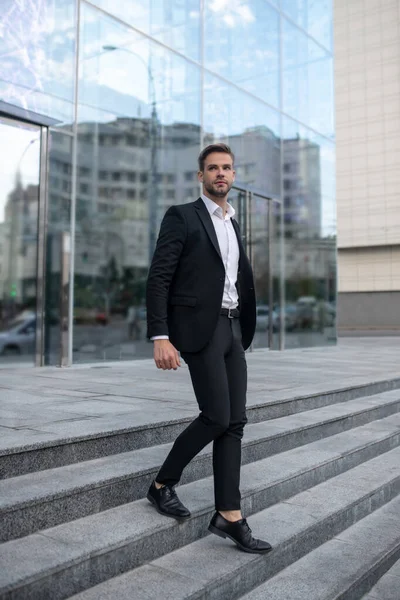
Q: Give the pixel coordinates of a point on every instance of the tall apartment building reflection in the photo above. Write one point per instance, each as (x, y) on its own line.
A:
(309, 251)
(302, 188)
(18, 250)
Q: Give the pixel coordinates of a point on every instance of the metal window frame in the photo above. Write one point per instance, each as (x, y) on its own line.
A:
(41, 247)
(41, 228)
(245, 214)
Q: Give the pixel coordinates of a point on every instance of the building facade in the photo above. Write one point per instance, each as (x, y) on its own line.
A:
(367, 83)
(104, 108)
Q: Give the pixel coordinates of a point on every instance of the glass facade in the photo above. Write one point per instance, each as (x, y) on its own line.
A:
(131, 92)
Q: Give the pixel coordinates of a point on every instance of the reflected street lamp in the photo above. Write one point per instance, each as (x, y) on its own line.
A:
(153, 150)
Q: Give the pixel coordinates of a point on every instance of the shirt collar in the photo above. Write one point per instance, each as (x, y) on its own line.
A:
(213, 207)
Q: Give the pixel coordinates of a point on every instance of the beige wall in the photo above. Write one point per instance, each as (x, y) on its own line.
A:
(367, 87)
(369, 269)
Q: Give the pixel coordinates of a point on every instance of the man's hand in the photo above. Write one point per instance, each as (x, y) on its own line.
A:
(165, 355)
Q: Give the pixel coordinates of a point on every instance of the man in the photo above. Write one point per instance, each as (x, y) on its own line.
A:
(201, 302)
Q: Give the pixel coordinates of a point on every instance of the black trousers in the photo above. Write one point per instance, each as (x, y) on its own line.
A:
(219, 377)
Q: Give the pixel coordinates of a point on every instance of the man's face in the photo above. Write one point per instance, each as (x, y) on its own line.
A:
(218, 175)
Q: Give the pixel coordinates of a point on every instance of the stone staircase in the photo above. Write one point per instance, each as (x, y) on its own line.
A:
(320, 482)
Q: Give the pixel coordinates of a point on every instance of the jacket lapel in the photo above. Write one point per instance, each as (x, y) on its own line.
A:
(205, 218)
(239, 239)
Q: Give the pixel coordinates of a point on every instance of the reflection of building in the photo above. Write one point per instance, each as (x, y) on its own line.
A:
(113, 194)
(3, 262)
(302, 188)
(19, 245)
(368, 164)
(113, 191)
(311, 264)
(257, 159)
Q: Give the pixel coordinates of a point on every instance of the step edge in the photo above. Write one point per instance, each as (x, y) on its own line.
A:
(261, 440)
(294, 539)
(162, 424)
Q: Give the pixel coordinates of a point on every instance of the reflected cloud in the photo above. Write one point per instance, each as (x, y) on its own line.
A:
(37, 60)
(236, 11)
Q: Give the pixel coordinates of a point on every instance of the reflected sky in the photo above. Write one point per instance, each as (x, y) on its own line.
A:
(37, 41)
(313, 16)
(307, 81)
(247, 51)
(241, 44)
(175, 23)
(122, 73)
(20, 153)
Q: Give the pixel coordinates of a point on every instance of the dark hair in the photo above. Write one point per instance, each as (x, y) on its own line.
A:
(223, 148)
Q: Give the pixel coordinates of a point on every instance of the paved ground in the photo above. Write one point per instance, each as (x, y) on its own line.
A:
(53, 403)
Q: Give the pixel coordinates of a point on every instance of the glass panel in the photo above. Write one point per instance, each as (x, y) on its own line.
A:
(175, 23)
(19, 201)
(315, 17)
(37, 40)
(262, 247)
(250, 127)
(307, 81)
(58, 222)
(252, 130)
(247, 51)
(310, 237)
(138, 142)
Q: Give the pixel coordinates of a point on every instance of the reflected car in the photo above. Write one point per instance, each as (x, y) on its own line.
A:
(313, 313)
(290, 316)
(263, 316)
(306, 312)
(18, 337)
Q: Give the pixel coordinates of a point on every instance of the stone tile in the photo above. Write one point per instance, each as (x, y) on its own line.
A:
(204, 561)
(109, 528)
(296, 373)
(149, 582)
(30, 438)
(317, 576)
(19, 562)
(395, 570)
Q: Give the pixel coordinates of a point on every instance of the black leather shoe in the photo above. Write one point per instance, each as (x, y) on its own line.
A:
(240, 533)
(167, 502)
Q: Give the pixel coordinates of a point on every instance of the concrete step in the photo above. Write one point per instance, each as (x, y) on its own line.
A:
(345, 567)
(90, 440)
(213, 568)
(45, 499)
(69, 558)
(388, 587)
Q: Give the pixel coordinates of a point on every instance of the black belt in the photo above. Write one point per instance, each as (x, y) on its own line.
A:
(231, 313)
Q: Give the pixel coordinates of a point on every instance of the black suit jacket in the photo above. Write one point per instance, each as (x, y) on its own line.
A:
(186, 280)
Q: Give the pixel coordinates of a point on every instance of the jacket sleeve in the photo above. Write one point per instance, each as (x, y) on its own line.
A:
(168, 250)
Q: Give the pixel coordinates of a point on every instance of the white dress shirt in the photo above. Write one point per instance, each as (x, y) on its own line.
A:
(229, 248)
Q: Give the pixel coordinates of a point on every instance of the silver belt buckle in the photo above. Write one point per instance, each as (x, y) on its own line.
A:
(229, 313)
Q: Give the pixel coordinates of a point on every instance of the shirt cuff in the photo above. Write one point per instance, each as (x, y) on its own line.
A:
(159, 337)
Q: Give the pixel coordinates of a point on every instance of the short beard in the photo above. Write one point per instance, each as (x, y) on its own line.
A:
(216, 193)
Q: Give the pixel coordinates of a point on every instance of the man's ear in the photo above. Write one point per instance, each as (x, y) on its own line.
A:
(200, 176)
